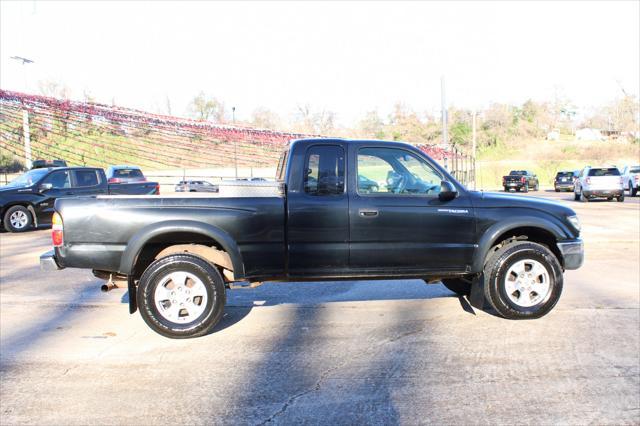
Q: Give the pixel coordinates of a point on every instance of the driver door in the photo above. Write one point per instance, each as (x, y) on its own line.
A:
(60, 181)
(397, 224)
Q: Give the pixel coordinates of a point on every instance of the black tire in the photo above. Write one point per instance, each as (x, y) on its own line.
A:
(583, 197)
(502, 260)
(632, 191)
(525, 188)
(506, 189)
(576, 195)
(609, 198)
(557, 190)
(459, 286)
(158, 271)
(21, 217)
(620, 198)
(537, 187)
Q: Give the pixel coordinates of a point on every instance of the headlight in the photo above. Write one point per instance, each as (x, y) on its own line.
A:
(574, 221)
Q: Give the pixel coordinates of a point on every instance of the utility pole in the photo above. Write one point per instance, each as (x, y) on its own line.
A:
(25, 113)
(235, 140)
(473, 146)
(27, 138)
(445, 135)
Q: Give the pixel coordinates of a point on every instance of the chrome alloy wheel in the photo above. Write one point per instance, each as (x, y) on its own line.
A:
(180, 297)
(18, 219)
(527, 283)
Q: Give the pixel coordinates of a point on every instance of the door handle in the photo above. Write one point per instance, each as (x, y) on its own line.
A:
(368, 213)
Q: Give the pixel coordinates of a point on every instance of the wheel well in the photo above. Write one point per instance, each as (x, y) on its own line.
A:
(182, 242)
(529, 233)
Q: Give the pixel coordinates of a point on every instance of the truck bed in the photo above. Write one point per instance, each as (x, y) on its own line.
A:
(97, 231)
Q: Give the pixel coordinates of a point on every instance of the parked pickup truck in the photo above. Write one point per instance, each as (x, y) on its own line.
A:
(28, 200)
(631, 179)
(178, 254)
(520, 180)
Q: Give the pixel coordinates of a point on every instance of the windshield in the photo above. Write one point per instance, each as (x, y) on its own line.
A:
(28, 178)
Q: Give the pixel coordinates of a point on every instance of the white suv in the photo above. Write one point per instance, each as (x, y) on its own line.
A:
(604, 182)
(631, 179)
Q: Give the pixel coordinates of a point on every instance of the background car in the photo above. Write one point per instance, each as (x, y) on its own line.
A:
(196, 186)
(43, 164)
(125, 174)
(631, 179)
(603, 182)
(564, 180)
(520, 180)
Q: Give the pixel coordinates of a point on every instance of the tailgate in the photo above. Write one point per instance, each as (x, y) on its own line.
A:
(604, 182)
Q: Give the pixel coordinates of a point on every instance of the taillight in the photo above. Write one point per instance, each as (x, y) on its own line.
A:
(637, 178)
(113, 180)
(57, 230)
(523, 180)
(588, 181)
(157, 189)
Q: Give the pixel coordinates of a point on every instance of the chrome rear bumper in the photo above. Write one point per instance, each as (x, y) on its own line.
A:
(48, 261)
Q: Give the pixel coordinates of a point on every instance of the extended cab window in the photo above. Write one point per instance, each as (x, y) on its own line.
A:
(58, 180)
(324, 170)
(86, 178)
(395, 171)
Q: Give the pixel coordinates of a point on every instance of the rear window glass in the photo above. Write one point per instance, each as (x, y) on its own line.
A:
(564, 174)
(634, 170)
(281, 165)
(128, 173)
(612, 171)
(518, 173)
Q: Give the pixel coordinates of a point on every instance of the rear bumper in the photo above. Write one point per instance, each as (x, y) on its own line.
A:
(564, 186)
(48, 261)
(603, 192)
(572, 253)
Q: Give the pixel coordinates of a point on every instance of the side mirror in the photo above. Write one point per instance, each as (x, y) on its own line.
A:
(45, 187)
(447, 191)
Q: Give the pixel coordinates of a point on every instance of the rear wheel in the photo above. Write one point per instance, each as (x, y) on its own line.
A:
(525, 188)
(181, 296)
(536, 187)
(459, 286)
(523, 280)
(632, 191)
(620, 198)
(17, 219)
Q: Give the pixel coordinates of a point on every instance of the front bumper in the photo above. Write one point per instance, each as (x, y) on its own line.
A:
(572, 253)
(48, 261)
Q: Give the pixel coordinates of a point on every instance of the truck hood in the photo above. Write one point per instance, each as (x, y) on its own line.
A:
(498, 200)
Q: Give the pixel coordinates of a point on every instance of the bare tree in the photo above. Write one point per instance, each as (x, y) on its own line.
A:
(264, 118)
(54, 89)
(203, 107)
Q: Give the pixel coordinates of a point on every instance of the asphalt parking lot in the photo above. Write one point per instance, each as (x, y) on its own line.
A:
(379, 352)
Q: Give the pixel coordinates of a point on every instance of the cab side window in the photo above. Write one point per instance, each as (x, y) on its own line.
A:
(86, 178)
(59, 180)
(395, 171)
(324, 170)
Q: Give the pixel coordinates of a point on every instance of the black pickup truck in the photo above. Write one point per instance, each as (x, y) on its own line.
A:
(327, 221)
(27, 201)
(520, 180)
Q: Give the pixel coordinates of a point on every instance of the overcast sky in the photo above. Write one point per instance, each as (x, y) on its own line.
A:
(346, 57)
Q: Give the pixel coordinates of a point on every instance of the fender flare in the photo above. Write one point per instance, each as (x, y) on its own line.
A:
(490, 236)
(144, 235)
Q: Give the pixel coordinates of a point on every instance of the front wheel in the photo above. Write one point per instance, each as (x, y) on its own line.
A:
(523, 280)
(181, 296)
(459, 286)
(17, 219)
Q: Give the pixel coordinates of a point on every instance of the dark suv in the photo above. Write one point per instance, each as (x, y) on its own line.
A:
(564, 180)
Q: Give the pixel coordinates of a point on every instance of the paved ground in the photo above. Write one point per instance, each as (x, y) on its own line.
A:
(331, 353)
